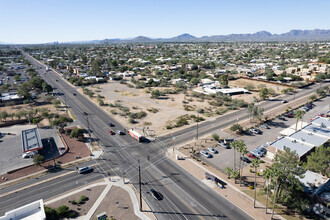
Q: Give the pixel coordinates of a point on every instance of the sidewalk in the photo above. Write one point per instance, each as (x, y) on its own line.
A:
(231, 192)
(111, 207)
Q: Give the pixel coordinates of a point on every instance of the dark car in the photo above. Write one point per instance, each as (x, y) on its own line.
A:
(282, 118)
(111, 125)
(85, 113)
(74, 94)
(156, 194)
(245, 159)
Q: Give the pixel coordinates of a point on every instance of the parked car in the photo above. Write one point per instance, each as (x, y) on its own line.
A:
(205, 154)
(288, 115)
(29, 154)
(212, 150)
(156, 194)
(284, 101)
(85, 170)
(245, 159)
(257, 153)
(120, 132)
(224, 145)
(251, 155)
(281, 118)
(262, 149)
(111, 132)
(255, 130)
(264, 126)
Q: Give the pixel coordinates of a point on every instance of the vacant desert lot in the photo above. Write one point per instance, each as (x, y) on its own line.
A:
(168, 107)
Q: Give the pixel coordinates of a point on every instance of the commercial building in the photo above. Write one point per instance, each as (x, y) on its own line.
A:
(31, 140)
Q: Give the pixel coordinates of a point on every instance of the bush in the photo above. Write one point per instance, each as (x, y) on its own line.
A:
(82, 199)
(200, 110)
(38, 159)
(62, 211)
(131, 121)
(50, 213)
(251, 170)
(215, 137)
(251, 187)
(168, 127)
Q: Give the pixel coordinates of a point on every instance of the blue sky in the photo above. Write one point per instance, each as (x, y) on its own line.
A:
(40, 21)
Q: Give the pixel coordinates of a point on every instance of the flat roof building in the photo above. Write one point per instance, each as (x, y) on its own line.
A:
(31, 140)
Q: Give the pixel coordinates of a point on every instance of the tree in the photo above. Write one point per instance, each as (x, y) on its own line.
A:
(313, 97)
(62, 211)
(228, 171)
(24, 90)
(194, 81)
(234, 174)
(17, 77)
(223, 79)
(215, 137)
(46, 87)
(77, 133)
(289, 191)
(244, 152)
(318, 161)
(236, 145)
(236, 127)
(298, 114)
(61, 122)
(267, 175)
(255, 164)
(3, 115)
(250, 87)
(264, 93)
(38, 159)
(155, 94)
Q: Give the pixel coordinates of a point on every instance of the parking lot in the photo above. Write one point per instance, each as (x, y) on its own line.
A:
(11, 146)
(225, 157)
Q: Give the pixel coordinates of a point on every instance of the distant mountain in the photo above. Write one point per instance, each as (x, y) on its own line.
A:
(293, 35)
(263, 36)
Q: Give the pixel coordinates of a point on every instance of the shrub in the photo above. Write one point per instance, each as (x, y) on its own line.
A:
(251, 170)
(251, 187)
(113, 111)
(62, 211)
(38, 159)
(131, 121)
(215, 137)
(168, 127)
(50, 213)
(82, 199)
(200, 110)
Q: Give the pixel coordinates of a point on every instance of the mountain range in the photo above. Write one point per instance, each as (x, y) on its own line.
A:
(261, 36)
(293, 35)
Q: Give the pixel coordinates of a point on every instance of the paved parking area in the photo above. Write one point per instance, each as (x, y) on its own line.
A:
(11, 146)
(225, 156)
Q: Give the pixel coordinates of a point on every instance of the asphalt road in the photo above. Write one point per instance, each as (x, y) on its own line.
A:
(185, 197)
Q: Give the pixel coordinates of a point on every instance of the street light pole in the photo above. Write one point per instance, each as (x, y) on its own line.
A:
(140, 187)
(197, 126)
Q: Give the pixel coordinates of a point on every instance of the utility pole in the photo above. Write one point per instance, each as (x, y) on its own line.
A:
(197, 126)
(89, 133)
(140, 186)
(51, 150)
(173, 140)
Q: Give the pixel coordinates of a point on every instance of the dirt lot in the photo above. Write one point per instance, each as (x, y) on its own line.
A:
(243, 82)
(124, 209)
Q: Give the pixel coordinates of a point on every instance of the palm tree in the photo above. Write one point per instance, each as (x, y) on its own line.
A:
(267, 175)
(236, 145)
(234, 174)
(228, 171)
(255, 164)
(276, 174)
(298, 114)
(244, 151)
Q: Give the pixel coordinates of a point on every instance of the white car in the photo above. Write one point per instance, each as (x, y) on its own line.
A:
(85, 170)
(212, 150)
(205, 153)
(28, 155)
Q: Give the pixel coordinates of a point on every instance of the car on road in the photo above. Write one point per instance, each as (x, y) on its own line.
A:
(74, 94)
(245, 159)
(111, 132)
(156, 194)
(212, 150)
(111, 125)
(85, 113)
(205, 154)
(251, 155)
(56, 80)
(281, 118)
(254, 130)
(120, 132)
(284, 101)
(85, 170)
